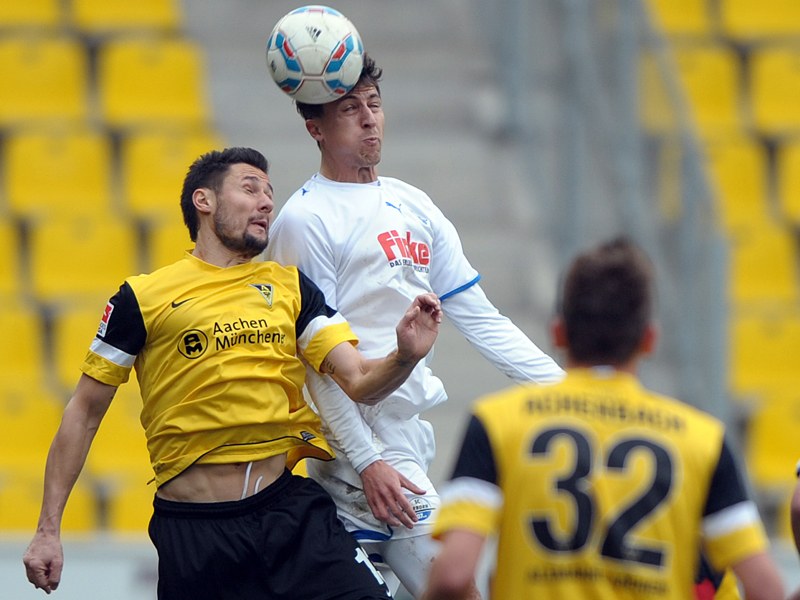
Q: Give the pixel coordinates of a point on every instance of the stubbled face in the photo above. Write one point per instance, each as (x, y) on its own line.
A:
(244, 210)
(351, 129)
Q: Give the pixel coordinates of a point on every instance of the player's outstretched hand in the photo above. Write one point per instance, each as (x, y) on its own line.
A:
(383, 487)
(44, 560)
(417, 330)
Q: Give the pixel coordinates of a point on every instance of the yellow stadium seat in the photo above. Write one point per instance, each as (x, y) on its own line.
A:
(775, 89)
(120, 463)
(153, 165)
(167, 241)
(710, 74)
(738, 172)
(787, 175)
(62, 171)
(30, 13)
(22, 352)
(764, 346)
(21, 498)
(80, 257)
(771, 448)
(10, 274)
(681, 17)
(120, 447)
(30, 414)
(710, 78)
(44, 79)
(130, 505)
(146, 81)
(752, 20)
(763, 266)
(74, 326)
(101, 17)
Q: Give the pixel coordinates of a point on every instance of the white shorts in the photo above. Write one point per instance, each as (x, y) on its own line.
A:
(344, 485)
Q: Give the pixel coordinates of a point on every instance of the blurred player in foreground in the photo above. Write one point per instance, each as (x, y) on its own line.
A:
(216, 340)
(596, 486)
(371, 243)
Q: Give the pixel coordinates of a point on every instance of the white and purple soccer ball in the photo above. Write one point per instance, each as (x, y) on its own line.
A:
(315, 54)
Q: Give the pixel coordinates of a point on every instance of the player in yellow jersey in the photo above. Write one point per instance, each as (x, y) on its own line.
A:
(597, 487)
(219, 342)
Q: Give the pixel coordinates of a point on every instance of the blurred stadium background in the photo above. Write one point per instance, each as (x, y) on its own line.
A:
(539, 127)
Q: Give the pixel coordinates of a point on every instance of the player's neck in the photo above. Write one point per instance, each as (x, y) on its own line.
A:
(215, 253)
(349, 175)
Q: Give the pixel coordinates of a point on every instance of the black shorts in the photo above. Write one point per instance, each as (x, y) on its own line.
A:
(284, 543)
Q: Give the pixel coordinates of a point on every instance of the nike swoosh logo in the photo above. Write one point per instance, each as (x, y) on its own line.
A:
(177, 304)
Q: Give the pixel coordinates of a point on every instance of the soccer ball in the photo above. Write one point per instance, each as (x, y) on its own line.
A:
(315, 54)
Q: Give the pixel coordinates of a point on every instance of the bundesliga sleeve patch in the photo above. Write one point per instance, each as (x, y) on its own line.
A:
(104, 320)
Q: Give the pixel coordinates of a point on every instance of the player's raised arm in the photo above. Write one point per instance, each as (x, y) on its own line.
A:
(370, 380)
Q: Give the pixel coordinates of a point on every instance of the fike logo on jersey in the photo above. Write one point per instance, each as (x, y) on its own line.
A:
(403, 252)
(266, 291)
(101, 330)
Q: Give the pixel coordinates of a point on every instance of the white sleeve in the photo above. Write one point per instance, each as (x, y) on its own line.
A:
(343, 421)
(497, 339)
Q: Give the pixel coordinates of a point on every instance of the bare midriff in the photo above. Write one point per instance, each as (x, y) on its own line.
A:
(223, 483)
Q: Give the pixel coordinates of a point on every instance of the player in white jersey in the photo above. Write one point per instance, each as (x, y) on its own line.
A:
(371, 243)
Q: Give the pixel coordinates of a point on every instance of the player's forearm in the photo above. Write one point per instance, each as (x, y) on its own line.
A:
(65, 461)
(377, 378)
(70, 447)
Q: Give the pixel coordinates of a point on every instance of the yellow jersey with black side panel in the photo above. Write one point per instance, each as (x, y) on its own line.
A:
(599, 488)
(217, 356)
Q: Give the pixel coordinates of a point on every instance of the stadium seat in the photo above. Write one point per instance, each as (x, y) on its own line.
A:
(787, 175)
(167, 241)
(30, 415)
(771, 448)
(120, 463)
(755, 20)
(23, 349)
(58, 171)
(681, 17)
(80, 257)
(103, 17)
(130, 504)
(738, 172)
(763, 266)
(10, 273)
(21, 498)
(37, 14)
(74, 325)
(151, 81)
(775, 89)
(709, 75)
(153, 165)
(45, 79)
(764, 346)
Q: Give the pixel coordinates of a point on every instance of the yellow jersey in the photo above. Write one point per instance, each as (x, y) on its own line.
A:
(599, 488)
(216, 353)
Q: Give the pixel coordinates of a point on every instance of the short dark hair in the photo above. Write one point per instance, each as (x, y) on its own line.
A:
(208, 171)
(607, 302)
(370, 75)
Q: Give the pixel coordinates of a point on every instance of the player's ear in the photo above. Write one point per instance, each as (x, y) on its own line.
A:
(558, 333)
(202, 200)
(649, 339)
(312, 127)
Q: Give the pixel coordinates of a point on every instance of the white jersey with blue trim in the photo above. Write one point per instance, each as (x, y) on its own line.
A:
(372, 248)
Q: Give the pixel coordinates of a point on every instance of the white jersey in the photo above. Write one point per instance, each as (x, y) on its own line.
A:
(372, 248)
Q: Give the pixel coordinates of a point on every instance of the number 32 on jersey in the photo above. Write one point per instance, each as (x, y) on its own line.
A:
(600, 497)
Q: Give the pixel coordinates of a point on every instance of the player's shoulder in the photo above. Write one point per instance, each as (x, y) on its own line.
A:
(396, 185)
